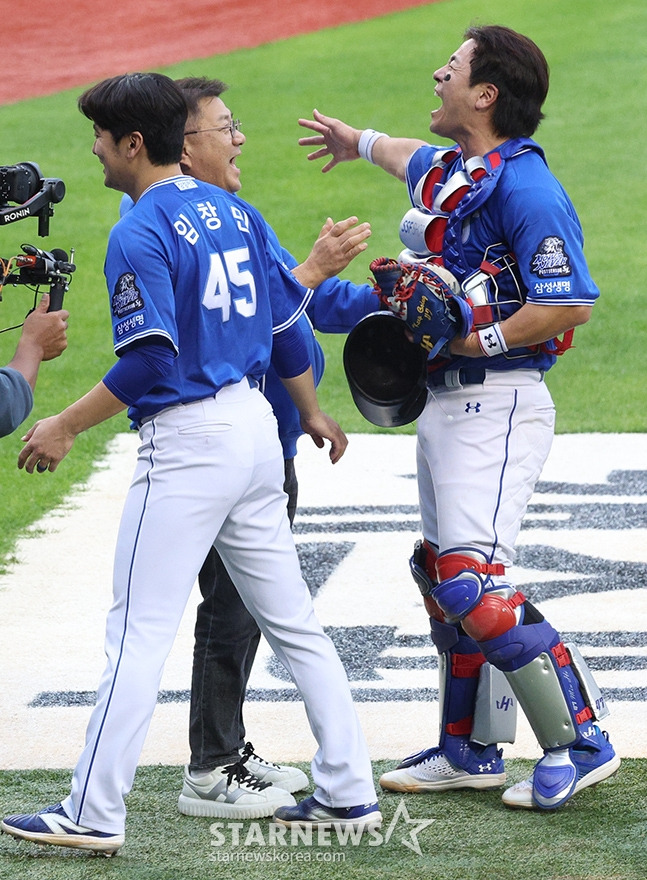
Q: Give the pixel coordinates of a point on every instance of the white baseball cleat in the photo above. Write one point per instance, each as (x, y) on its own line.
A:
(431, 770)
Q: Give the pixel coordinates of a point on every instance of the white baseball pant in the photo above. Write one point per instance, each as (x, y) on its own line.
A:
(480, 451)
(210, 471)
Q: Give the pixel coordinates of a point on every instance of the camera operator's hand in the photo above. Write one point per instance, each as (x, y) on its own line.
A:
(44, 337)
(46, 330)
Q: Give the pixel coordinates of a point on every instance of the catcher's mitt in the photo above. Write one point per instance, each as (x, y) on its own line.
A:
(427, 298)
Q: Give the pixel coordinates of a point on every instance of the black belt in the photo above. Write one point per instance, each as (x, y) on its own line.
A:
(456, 378)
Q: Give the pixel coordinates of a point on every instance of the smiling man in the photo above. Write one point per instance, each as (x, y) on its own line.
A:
(489, 210)
(226, 634)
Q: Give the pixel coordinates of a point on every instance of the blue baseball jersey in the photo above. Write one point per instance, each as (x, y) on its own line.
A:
(525, 212)
(190, 265)
(335, 307)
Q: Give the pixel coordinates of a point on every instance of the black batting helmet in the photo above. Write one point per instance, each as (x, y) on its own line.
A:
(386, 373)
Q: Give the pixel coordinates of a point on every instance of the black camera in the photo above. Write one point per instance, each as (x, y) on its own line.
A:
(24, 192)
(32, 194)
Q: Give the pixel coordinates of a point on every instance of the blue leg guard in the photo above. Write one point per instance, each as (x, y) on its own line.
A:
(461, 760)
(459, 664)
(539, 669)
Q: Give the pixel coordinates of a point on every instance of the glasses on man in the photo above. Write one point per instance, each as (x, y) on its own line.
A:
(232, 127)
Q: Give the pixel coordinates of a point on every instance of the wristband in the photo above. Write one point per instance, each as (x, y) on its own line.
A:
(366, 141)
(492, 340)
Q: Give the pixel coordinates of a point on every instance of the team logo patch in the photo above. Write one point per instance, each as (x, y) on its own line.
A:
(126, 297)
(551, 259)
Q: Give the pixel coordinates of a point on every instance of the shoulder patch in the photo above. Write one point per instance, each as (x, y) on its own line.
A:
(550, 258)
(126, 297)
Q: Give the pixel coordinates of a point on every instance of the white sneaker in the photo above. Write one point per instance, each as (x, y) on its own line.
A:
(285, 777)
(230, 792)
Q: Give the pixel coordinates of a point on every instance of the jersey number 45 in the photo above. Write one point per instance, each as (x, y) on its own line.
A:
(222, 276)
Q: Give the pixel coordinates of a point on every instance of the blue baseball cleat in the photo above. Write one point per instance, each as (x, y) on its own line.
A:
(52, 825)
(310, 813)
(561, 774)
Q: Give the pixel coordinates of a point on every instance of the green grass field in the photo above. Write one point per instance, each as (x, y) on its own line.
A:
(376, 74)
(599, 836)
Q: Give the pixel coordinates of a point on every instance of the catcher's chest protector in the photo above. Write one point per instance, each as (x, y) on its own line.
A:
(453, 197)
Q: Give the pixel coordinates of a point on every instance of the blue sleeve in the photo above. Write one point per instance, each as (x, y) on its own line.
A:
(288, 297)
(289, 353)
(137, 371)
(546, 236)
(142, 298)
(289, 260)
(336, 305)
(16, 400)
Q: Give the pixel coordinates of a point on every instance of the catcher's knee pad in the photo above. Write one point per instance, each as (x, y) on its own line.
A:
(551, 681)
(462, 574)
(496, 613)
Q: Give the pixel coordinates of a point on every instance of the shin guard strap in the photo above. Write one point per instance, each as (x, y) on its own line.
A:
(561, 655)
(460, 728)
(562, 659)
(467, 665)
(584, 715)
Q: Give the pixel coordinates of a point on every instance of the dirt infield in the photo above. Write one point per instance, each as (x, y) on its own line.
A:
(74, 42)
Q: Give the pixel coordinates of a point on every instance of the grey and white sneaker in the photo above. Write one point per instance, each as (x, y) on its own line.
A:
(230, 792)
(285, 777)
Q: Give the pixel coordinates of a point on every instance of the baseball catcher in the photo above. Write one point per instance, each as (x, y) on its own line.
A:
(490, 211)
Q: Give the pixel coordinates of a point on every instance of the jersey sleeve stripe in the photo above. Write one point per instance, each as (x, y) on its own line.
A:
(296, 315)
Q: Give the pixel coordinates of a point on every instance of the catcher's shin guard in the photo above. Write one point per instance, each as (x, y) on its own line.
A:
(560, 699)
(551, 682)
(476, 704)
(554, 693)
